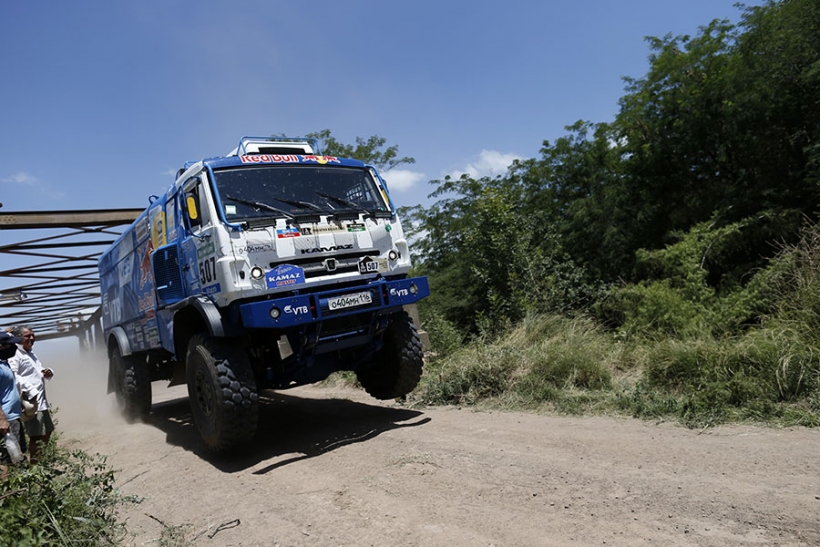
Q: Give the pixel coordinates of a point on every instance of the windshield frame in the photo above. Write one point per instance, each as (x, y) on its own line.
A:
(244, 194)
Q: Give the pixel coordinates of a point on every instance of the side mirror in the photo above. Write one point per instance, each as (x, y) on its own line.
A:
(193, 212)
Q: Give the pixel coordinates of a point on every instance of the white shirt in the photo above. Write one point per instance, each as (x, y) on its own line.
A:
(29, 373)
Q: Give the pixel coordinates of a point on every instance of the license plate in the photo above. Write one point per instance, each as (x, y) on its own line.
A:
(349, 300)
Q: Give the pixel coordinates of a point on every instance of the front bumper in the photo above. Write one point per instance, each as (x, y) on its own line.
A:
(302, 309)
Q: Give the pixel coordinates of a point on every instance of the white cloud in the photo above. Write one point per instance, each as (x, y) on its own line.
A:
(21, 178)
(400, 180)
(489, 164)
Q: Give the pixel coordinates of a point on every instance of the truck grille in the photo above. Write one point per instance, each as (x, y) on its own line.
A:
(318, 266)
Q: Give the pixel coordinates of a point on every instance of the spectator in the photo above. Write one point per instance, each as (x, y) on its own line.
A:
(31, 381)
(9, 404)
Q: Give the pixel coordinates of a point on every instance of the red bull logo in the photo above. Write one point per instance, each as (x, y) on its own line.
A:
(321, 159)
(270, 158)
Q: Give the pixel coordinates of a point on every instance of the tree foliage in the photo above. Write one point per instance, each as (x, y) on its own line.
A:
(370, 150)
(719, 139)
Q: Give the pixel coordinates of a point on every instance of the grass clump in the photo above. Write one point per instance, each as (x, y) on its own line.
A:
(768, 374)
(544, 360)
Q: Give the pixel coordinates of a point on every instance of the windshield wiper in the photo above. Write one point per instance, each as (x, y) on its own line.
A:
(259, 205)
(298, 203)
(345, 202)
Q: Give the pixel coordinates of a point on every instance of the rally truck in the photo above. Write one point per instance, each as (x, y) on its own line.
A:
(268, 268)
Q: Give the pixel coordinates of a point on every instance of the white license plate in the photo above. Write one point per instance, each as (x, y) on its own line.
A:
(349, 300)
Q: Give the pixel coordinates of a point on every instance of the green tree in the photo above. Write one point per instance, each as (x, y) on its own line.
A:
(489, 260)
(370, 150)
(723, 124)
(573, 191)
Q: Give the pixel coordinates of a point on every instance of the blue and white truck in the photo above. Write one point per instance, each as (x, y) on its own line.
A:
(268, 268)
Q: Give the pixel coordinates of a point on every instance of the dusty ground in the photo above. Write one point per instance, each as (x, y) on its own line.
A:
(332, 467)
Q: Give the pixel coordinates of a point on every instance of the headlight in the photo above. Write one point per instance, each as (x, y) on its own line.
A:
(257, 273)
(393, 255)
(413, 289)
(275, 313)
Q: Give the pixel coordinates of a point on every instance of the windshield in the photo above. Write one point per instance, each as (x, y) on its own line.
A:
(280, 191)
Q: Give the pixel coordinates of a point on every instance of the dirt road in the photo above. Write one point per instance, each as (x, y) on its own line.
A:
(332, 467)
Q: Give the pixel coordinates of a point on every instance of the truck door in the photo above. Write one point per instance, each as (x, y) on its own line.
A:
(197, 244)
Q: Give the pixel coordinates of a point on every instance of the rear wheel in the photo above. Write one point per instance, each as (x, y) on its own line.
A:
(222, 392)
(132, 384)
(396, 369)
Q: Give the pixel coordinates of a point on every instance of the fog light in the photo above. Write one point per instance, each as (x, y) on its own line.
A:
(257, 273)
(393, 255)
(413, 288)
(275, 313)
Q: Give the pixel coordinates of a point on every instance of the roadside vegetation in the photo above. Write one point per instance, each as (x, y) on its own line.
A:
(69, 498)
(663, 265)
(671, 357)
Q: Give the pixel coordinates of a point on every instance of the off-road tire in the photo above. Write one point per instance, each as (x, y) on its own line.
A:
(222, 392)
(132, 384)
(396, 369)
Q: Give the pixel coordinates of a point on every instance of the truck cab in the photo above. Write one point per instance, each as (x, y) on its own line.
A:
(267, 268)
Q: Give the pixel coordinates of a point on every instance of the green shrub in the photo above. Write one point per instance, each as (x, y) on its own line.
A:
(69, 498)
(445, 337)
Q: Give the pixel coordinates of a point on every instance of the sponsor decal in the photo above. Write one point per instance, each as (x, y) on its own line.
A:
(355, 227)
(321, 159)
(270, 158)
(146, 302)
(141, 228)
(213, 289)
(288, 232)
(157, 219)
(399, 292)
(327, 249)
(296, 310)
(146, 276)
(316, 230)
(170, 219)
(205, 250)
(284, 275)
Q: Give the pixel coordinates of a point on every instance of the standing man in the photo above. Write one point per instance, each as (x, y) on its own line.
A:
(31, 379)
(9, 403)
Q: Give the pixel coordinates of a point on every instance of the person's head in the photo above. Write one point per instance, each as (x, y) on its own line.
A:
(8, 345)
(25, 333)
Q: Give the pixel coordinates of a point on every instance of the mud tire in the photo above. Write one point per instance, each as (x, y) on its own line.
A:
(396, 369)
(222, 392)
(132, 384)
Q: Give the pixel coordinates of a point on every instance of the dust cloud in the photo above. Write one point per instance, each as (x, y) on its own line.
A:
(77, 392)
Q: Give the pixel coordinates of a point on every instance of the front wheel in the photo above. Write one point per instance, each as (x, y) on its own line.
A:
(222, 392)
(132, 384)
(396, 369)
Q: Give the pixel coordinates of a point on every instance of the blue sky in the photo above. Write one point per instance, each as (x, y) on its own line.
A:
(101, 101)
